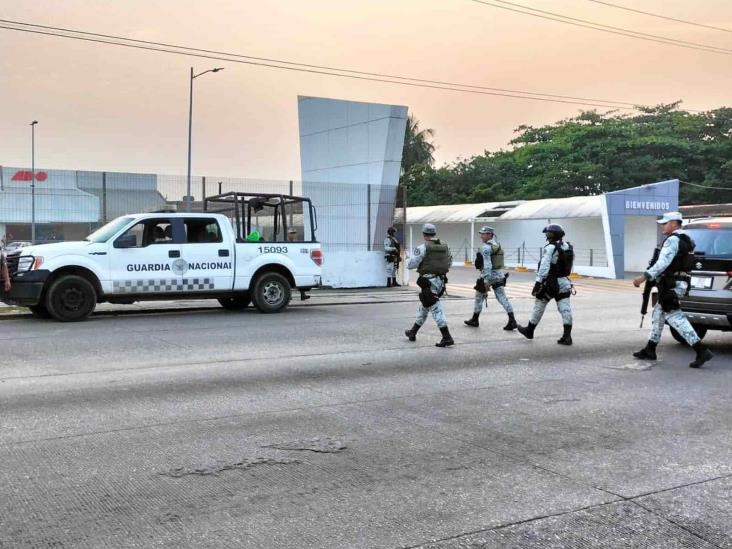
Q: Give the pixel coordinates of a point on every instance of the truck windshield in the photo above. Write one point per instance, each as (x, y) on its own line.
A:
(102, 234)
(713, 240)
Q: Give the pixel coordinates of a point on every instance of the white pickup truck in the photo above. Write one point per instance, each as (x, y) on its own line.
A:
(243, 248)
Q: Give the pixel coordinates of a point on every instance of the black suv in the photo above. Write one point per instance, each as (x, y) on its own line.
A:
(709, 303)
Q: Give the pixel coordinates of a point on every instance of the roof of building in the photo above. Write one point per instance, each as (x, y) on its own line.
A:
(558, 208)
(549, 208)
(458, 213)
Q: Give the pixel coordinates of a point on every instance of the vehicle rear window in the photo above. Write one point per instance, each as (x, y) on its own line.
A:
(200, 230)
(713, 241)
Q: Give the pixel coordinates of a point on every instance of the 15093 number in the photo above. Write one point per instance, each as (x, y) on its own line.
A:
(273, 249)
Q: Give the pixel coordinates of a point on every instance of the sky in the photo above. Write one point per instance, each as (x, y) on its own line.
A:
(111, 108)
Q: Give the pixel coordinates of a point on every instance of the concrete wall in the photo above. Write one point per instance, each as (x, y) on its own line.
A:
(650, 201)
(354, 270)
(641, 236)
(351, 145)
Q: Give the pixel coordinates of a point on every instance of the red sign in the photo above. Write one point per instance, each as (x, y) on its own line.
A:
(27, 175)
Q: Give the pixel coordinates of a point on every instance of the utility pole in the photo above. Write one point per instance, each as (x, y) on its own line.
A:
(33, 181)
(188, 199)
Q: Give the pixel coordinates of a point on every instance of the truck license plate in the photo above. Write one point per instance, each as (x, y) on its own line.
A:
(701, 282)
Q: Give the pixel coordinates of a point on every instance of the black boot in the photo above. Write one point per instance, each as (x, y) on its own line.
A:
(566, 339)
(446, 340)
(388, 282)
(394, 282)
(511, 323)
(702, 355)
(648, 352)
(412, 332)
(304, 296)
(473, 321)
(527, 331)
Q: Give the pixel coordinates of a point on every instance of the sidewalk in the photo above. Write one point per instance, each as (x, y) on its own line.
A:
(319, 297)
(460, 286)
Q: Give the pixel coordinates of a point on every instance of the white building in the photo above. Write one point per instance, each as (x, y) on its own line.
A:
(611, 233)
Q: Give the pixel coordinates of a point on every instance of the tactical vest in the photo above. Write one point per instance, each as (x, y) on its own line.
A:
(565, 261)
(497, 259)
(394, 244)
(437, 259)
(683, 262)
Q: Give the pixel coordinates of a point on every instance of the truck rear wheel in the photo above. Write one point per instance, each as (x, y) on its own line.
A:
(236, 303)
(271, 292)
(71, 298)
(701, 331)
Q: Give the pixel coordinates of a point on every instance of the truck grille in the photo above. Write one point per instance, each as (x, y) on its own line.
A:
(12, 259)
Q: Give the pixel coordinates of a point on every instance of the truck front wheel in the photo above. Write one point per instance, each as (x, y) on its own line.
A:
(71, 298)
(271, 292)
(39, 311)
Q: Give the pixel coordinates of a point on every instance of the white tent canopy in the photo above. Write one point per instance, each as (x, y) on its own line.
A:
(458, 213)
(558, 208)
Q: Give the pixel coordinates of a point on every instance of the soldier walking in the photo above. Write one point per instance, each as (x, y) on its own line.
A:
(432, 261)
(392, 254)
(489, 262)
(552, 282)
(671, 273)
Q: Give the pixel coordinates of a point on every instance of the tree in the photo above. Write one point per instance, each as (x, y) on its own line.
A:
(592, 153)
(417, 147)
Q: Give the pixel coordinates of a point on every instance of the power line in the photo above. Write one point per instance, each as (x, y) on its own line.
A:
(706, 186)
(310, 66)
(190, 53)
(661, 16)
(604, 28)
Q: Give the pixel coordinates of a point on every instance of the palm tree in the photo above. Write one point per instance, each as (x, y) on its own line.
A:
(417, 148)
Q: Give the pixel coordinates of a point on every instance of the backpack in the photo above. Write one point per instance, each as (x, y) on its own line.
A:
(565, 261)
(437, 259)
(684, 260)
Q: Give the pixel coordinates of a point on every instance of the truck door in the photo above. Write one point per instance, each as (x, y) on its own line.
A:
(145, 259)
(209, 255)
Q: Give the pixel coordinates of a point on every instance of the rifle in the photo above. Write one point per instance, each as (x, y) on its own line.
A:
(648, 287)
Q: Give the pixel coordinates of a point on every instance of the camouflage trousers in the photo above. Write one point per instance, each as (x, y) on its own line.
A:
(390, 270)
(437, 310)
(438, 313)
(676, 319)
(501, 297)
(562, 305)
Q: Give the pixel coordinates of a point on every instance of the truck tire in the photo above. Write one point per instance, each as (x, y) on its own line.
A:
(236, 303)
(271, 293)
(71, 298)
(701, 331)
(39, 311)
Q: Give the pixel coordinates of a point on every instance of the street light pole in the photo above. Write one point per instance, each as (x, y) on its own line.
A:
(188, 198)
(33, 181)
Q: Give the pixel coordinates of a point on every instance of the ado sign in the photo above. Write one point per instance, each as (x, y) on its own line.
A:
(27, 175)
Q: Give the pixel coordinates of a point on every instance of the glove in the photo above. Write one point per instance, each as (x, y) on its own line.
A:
(537, 289)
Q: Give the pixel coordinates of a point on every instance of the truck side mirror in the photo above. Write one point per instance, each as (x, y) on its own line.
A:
(126, 241)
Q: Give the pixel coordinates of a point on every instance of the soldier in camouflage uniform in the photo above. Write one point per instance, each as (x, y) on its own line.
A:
(431, 260)
(552, 282)
(671, 273)
(391, 255)
(490, 262)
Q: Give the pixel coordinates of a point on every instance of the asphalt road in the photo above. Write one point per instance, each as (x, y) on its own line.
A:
(323, 427)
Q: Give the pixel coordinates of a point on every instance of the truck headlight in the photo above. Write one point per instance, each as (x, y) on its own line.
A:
(28, 263)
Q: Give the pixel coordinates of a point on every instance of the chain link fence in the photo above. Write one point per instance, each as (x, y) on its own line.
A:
(70, 204)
